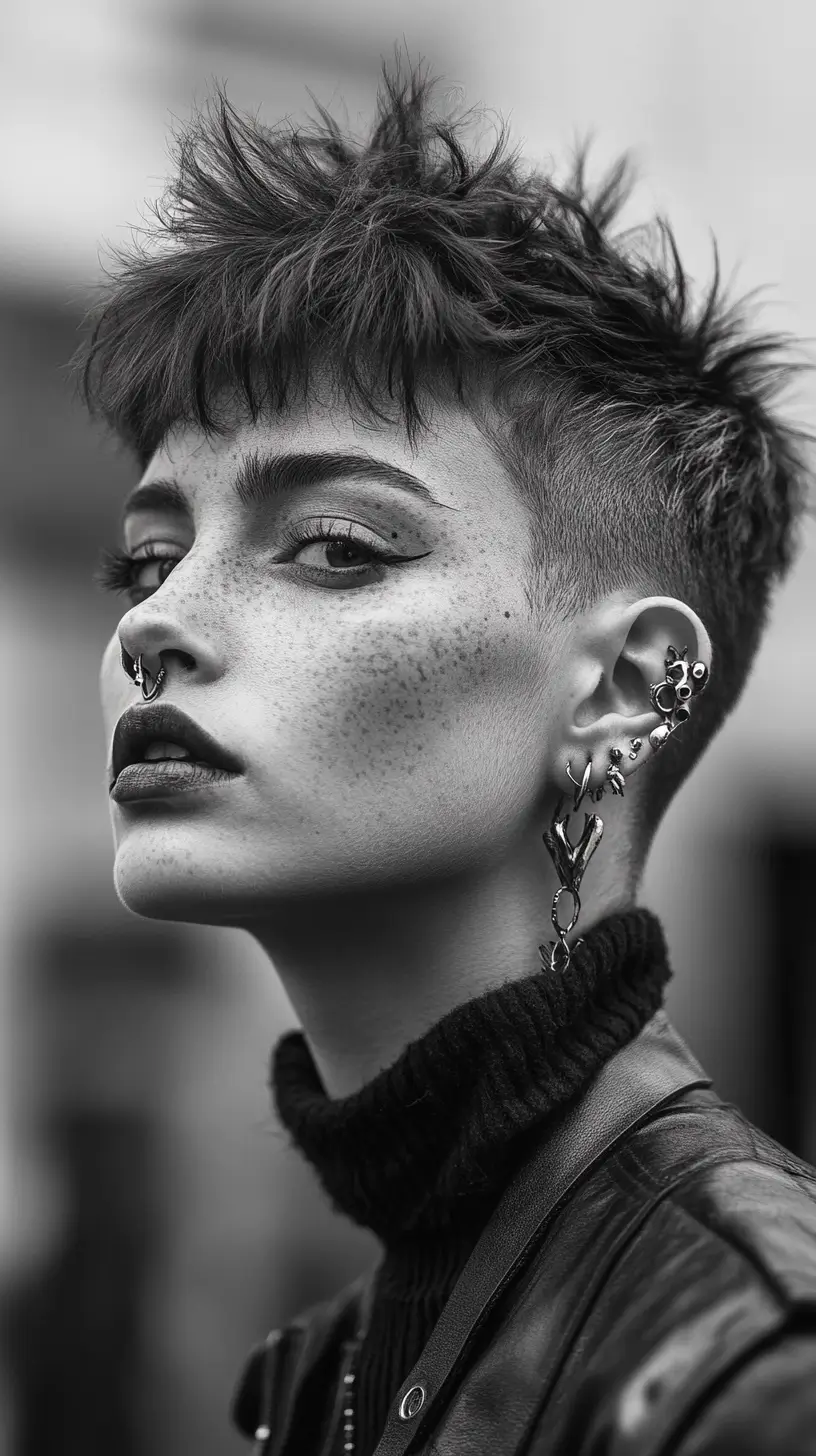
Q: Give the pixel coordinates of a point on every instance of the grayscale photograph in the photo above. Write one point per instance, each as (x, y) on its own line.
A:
(407, 989)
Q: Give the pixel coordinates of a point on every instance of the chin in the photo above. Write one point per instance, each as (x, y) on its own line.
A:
(204, 878)
(168, 882)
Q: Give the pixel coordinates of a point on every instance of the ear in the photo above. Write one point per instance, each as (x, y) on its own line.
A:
(619, 652)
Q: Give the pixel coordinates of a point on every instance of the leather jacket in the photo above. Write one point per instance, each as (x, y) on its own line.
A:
(654, 1253)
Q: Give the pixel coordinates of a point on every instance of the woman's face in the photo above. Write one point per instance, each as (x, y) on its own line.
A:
(392, 720)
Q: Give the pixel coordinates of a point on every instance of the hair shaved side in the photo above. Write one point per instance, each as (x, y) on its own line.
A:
(642, 433)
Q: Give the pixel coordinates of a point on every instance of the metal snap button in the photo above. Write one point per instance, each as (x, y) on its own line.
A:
(412, 1403)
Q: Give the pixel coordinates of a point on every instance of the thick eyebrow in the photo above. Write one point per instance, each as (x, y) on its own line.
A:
(163, 495)
(262, 477)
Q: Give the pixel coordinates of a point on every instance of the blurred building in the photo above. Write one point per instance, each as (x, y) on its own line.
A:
(153, 1223)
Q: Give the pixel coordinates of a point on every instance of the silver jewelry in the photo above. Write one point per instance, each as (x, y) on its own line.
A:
(139, 674)
(614, 776)
(348, 1409)
(580, 789)
(570, 860)
(670, 698)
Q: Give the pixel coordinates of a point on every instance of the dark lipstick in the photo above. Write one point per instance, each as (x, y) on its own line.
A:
(132, 776)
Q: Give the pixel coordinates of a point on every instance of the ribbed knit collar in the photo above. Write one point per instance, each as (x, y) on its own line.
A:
(428, 1145)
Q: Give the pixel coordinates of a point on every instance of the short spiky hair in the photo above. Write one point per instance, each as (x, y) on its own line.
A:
(640, 432)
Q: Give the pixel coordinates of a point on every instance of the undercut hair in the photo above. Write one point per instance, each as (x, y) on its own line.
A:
(642, 432)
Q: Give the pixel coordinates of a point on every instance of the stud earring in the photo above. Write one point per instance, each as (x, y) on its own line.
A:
(637, 744)
(613, 774)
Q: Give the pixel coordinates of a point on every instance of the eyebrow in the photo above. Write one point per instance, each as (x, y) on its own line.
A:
(261, 477)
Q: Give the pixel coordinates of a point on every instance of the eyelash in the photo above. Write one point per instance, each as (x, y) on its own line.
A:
(116, 569)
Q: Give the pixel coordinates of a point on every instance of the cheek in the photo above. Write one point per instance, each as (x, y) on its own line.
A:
(376, 697)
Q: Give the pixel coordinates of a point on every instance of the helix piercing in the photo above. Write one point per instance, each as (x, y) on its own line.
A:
(637, 744)
(670, 698)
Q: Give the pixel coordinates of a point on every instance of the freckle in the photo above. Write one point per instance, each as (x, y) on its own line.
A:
(393, 535)
(507, 614)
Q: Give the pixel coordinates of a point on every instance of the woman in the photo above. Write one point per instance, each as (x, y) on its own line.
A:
(453, 546)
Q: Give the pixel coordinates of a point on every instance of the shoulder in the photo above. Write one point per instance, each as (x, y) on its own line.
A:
(729, 1191)
(717, 1293)
(768, 1406)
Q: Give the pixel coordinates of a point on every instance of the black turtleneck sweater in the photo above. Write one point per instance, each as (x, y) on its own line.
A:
(423, 1152)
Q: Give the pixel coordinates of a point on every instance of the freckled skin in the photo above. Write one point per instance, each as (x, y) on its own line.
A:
(391, 729)
(404, 738)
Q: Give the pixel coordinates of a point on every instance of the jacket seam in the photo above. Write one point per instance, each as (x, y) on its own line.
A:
(625, 1243)
(691, 1416)
(767, 1280)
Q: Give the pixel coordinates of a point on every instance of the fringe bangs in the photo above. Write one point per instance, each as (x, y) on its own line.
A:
(395, 262)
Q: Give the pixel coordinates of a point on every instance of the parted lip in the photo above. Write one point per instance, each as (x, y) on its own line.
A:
(162, 722)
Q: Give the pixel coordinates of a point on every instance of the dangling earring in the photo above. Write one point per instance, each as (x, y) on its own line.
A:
(570, 860)
(670, 699)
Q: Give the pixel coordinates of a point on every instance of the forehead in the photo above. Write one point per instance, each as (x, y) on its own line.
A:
(451, 457)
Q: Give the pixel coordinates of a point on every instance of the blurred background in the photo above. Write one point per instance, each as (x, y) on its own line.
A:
(153, 1223)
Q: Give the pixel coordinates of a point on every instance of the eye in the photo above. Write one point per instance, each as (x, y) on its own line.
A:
(337, 553)
(140, 575)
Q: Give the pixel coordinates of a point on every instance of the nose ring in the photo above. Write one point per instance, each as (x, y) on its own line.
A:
(139, 674)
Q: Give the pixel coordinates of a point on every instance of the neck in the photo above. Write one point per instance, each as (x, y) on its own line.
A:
(369, 973)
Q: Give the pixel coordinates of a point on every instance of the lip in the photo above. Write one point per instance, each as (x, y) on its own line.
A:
(165, 722)
(161, 778)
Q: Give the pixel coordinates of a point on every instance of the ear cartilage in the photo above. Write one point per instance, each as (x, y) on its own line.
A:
(670, 698)
(658, 735)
